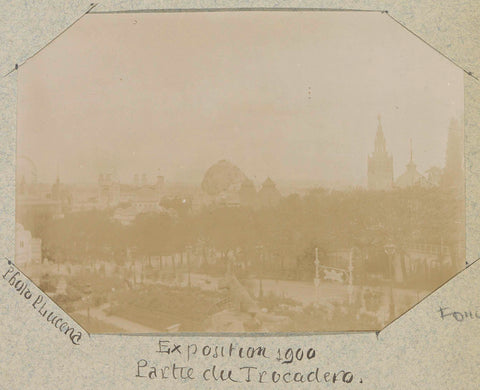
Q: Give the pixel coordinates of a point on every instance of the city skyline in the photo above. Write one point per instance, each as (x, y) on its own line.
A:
(149, 176)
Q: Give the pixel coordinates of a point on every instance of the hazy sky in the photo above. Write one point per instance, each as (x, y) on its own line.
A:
(291, 95)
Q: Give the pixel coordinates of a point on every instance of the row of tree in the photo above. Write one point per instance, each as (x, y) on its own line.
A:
(285, 235)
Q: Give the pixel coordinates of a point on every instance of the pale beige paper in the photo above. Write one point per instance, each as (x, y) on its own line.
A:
(418, 350)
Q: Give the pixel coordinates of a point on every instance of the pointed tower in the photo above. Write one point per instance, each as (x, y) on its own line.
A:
(380, 163)
(453, 174)
(411, 166)
(411, 176)
(56, 186)
(269, 194)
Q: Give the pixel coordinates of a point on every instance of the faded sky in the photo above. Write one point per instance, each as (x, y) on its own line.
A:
(291, 95)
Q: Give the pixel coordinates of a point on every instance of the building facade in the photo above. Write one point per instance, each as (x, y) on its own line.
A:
(411, 177)
(27, 248)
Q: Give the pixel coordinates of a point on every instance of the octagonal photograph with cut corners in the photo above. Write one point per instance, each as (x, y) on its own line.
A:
(247, 171)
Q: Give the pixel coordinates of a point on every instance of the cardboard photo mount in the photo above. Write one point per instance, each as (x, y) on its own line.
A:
(422, 326)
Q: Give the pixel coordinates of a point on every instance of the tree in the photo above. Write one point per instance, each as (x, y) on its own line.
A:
(153, 234)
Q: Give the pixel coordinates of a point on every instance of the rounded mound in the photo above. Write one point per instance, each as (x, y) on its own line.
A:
(222, 176)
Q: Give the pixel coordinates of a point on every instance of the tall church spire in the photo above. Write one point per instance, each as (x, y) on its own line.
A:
(411, 165)
(380, 144)
(380, 163)
(453, 175)
(411, 176)
(411, 151)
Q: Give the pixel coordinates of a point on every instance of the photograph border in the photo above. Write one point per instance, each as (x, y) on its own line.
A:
(467, 73)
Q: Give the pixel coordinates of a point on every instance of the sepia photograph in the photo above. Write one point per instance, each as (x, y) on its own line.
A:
(239, 171)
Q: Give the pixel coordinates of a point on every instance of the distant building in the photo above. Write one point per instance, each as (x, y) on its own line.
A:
(453, 174)
(126, 215)
(27, 248)
(26, 176)
(411, 177)
(222, 177)
(423, 257)
(32, 208)
(380, 164)
(38, 201)
(108, 190)
(247, 193)
(142, 198)
(228, 199)
(61, 194)
(141, 193)
(146, 199)
(269, 194)
(434, 176)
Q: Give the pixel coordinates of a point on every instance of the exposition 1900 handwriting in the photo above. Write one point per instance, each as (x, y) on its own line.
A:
(248, 370)
(39, 303)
